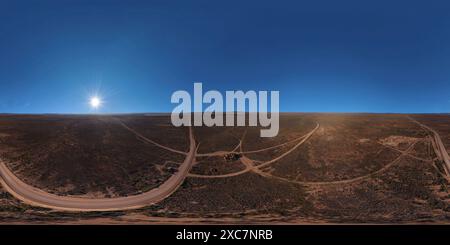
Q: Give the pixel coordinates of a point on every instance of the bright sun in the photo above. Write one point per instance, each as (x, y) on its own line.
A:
(95, 102)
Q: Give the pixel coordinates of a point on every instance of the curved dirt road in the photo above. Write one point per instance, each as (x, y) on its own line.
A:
(36, 197)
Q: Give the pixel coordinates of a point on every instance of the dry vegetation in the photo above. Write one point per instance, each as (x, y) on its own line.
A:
(91, 156)
(355, 168)
(440, 123)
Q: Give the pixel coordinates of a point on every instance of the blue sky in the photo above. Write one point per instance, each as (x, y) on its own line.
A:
(325, 56)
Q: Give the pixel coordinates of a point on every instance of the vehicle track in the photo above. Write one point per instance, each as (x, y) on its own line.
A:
(346, 181)
(145, 139)
(36, 197)
(249, 162)
(438, 146)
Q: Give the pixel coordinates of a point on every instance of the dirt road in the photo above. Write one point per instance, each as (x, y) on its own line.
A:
(37, 197)
(249, 166)
(438, 146)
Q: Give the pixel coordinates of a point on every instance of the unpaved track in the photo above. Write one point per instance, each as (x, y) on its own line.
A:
(249, 162)
(142, 137)
(438, 146)
(408, 155)
(346, 181)
(37, 197)
(221, 153)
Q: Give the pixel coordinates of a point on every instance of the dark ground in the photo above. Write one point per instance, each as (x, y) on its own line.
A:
(350, 171)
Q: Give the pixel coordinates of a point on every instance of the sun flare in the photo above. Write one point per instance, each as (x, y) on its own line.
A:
(95, 102)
